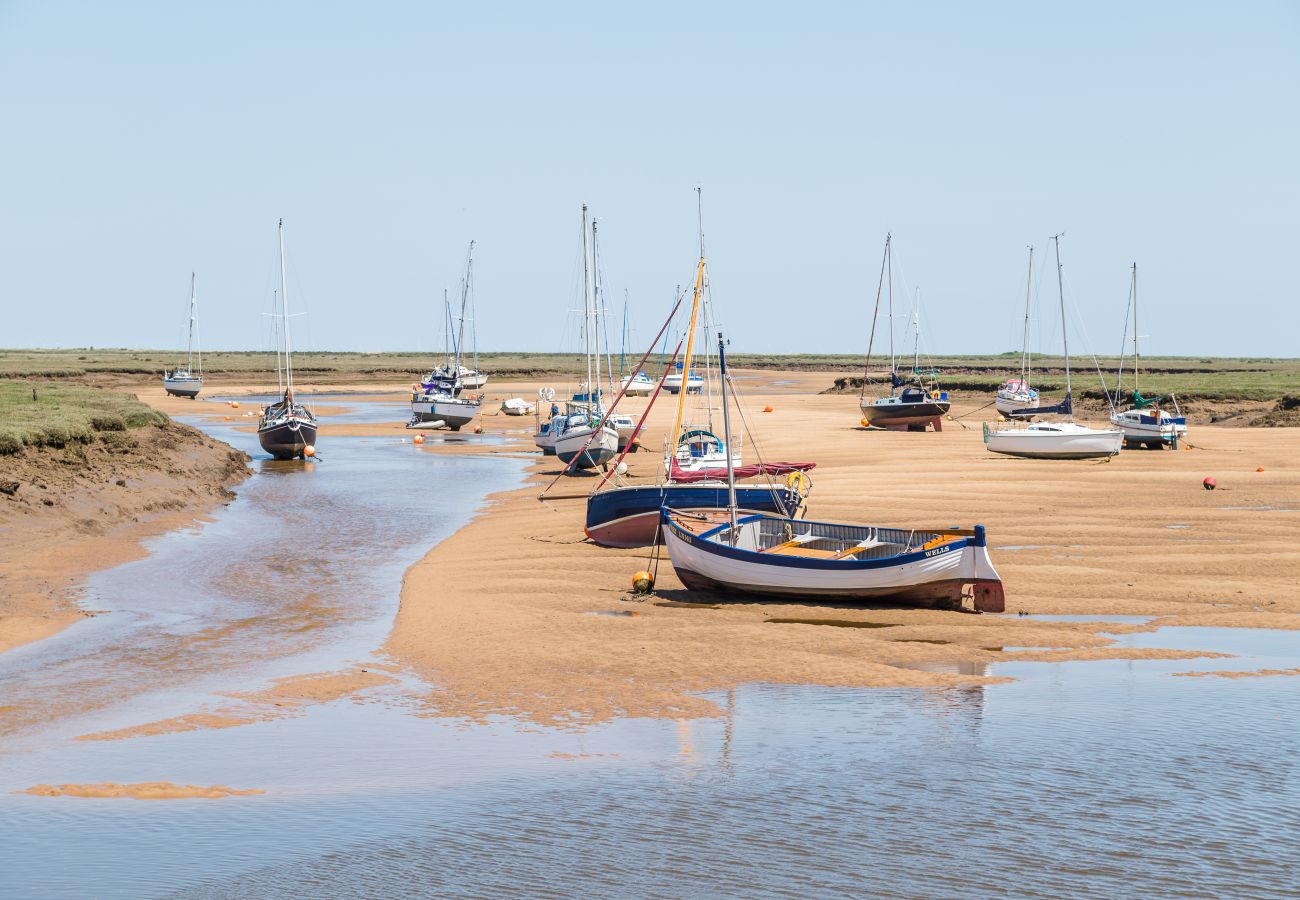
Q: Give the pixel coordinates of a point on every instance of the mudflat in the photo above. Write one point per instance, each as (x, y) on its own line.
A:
(517, 614)
(71, 510)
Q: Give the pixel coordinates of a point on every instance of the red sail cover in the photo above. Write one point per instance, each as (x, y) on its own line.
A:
(686, 476)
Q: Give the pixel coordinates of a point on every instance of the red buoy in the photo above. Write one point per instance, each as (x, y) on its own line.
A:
(1210, 484)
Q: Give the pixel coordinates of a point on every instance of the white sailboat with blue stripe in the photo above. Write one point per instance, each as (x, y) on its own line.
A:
(781, 556)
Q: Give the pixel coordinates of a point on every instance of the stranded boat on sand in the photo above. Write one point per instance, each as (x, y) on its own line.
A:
(187, 380)
(784, 557)
(286, 428)
(912, 403)
(1054, 440)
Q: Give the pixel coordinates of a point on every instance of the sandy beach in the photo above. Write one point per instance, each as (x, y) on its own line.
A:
(517, 614)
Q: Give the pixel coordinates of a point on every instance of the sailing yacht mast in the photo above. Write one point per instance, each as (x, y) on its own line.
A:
(1135, 332)
(690, 332)
(1065, 339)
(464, 300)
(284, 309)
(593, 387)
(726, 426)
(889, 262)
(473, 311)
(194, 310)
(1024, 333)
(586, 301)
(916, 331)
(622, 341)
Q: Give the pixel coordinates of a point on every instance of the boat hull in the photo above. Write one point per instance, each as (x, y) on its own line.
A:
(636, 387)
(570, 447)
(673, 385)
(629, 516)
(1009, 405)
(893, 415)
(289, 439)
(935, 577)
(1147, 431)
(453, 412)
(1083, 444)
(183, 387)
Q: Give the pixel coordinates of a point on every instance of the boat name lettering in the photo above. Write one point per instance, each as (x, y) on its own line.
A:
(937, 550)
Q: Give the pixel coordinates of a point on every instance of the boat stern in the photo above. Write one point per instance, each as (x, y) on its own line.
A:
(986, 585)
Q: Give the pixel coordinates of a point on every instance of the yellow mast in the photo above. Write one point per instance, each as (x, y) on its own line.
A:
(686, 362)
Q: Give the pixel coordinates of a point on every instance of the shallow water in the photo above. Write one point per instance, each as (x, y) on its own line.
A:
(309, 556)
(1091, 779)
(1083, 779)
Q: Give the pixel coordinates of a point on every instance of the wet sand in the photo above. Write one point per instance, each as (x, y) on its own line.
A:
(499, 617)
(83, 509)
(147, 790)
(517, 614)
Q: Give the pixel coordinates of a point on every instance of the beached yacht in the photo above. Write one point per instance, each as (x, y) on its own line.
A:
(1016, 396)
(1145, 424)
(187, 380)
(914, 402)
(286, 427)
(436, 402)
(1054, 440)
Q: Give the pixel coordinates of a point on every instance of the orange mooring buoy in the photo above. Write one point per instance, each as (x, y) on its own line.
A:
(1260, 469)
(418, 439)
(1210, 484)
(767, 409)
(309, 450)
(642, 582)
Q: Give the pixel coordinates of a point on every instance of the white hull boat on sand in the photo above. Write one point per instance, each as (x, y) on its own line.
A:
(1054, 440)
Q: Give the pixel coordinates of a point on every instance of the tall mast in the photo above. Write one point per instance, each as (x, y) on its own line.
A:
(473, 311)
(595, 320)
(189, 361)
(726, 427)
(622, 341)
(464, 300)
(1060, 289)
(1024, 334)
(690, 331)
(1135, 331)
(686, 360)
(586, 301)
(916, 332)
(446, 334)
(889, 262)
(284, 309)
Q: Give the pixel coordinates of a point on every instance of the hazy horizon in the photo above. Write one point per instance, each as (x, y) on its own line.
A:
(149, 141)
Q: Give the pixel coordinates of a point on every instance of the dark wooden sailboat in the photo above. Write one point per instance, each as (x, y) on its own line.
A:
(287, 429)
(913, 403)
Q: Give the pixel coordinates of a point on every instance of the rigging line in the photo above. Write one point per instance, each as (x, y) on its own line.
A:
(874, 316)
(636, 432)
(1128, 311)
(758, 450)
(606, 413)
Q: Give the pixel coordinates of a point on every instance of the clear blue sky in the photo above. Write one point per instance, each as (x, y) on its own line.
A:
(143, 140)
